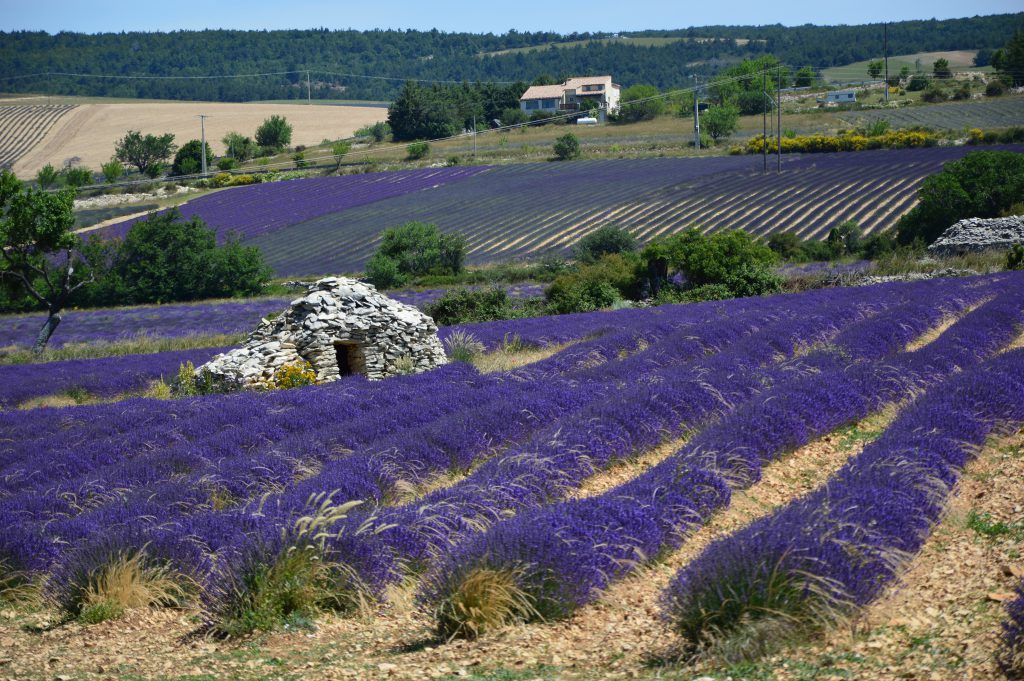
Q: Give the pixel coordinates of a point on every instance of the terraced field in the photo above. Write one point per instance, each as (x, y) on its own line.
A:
(23, 126)
(985, 114)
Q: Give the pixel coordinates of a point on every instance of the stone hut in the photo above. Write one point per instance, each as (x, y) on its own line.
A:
(979, 234)
(341, 327)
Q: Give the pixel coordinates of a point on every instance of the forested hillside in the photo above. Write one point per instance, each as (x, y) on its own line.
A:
(372, 64)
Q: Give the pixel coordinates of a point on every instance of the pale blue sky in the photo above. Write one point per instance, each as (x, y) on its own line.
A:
(496, 16)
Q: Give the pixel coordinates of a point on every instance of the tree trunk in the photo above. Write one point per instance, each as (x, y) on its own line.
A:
(44, 333)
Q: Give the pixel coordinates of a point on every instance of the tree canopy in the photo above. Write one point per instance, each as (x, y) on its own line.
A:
(38, 251)
(982, 184)
(436, 55)
(149, 154)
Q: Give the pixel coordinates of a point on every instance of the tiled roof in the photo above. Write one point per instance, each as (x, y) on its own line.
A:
(543, 92)
(587, 80)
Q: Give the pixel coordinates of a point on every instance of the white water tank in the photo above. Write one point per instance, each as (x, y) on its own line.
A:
(586, 120)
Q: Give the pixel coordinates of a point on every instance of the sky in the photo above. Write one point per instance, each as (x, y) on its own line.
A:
(95, 16)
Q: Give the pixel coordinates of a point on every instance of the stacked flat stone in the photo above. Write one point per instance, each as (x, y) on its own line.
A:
(338, 322)
(979, 234)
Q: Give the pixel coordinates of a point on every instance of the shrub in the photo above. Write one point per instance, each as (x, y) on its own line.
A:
(711, 259)
(300, 160)
(77, 176)
(417, 151)
(934, 93)
(378, 132)
(113, 170)
(995, 88)
(633, 110)
(461, 306)
(785, 244)
(189, 159)
(514, 116)
(47, 176)
(595, 286)
(414, 249)
(753, 279)
(1015, 258)
(917, 83)
(567, 147)
(294, 376)
(603, 241)
(227, 163)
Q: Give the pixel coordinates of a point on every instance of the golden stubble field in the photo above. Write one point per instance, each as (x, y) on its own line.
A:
(90, 130)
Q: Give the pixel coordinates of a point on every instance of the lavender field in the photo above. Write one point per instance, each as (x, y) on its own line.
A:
(181, 320)
(312, 227)
(468, 487)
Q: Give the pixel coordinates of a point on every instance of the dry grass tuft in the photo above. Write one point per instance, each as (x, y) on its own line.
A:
(484, 601)
(126, 583)
(505, 360)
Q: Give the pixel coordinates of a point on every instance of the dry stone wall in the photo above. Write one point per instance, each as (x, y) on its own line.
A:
(341, 326)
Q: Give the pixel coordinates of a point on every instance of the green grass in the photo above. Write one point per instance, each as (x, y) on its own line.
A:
(983, 524)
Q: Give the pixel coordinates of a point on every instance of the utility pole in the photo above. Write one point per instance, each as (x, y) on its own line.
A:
(696, 114)
(202, 122)
(778, 131)
(309, 90)
(764, 117)
(885, 55)
(474, 135)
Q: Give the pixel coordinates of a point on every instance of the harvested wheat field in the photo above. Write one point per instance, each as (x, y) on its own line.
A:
(90, 130)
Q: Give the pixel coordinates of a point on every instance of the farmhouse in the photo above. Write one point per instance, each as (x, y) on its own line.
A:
(341, 327)
(572, 95)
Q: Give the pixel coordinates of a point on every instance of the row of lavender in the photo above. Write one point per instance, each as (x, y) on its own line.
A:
(105, 467)
(585, 544)
(258, 209)
(841, 546)
(50, 465)
(186, 484)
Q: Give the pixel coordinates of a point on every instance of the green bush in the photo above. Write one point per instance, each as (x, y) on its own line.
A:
(603, 241)
(462, 306)
(514, 116)
(632, 109)
(113, 170)
(593, 287)
(415, 249)
(227, 163)
(47, 176)
(165, 258)
(417, 150)
(753, 279)
(710, 259)
(917, 83)
(77, 176)
(995, 88)
(567, 147)
(1015, 258)
(189, 158)
(785, 244)
(981, 184)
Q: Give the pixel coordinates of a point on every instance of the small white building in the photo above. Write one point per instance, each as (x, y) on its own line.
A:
(570, 95)
(840, 97)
